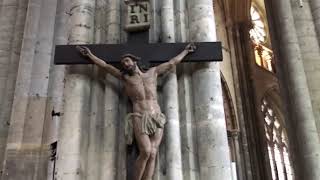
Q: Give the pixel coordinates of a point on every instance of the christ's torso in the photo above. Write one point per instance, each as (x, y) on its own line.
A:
(142, 91)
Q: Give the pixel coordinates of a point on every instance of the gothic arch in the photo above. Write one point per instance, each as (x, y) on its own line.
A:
(230, 116)
(231, 121)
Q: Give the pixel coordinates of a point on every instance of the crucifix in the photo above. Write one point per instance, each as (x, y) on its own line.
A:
(146, 123)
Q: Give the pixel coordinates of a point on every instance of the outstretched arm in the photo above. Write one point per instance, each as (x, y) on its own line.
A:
(164, 67)
(85, 51)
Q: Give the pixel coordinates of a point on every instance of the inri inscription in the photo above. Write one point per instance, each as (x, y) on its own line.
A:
(138, 15)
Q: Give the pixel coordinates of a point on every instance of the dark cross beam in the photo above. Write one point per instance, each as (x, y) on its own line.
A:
(153, 53)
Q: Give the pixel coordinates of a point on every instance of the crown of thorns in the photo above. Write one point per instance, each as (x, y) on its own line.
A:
(133, 57)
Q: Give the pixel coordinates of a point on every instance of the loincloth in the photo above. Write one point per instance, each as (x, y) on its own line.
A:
(149, 124)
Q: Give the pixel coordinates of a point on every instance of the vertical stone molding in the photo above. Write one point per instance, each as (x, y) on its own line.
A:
(8, 16)
(11, 72)
(181, 20)
(155, 27)
(23, 83)
(111, 116)
(187, 122)
(55, 89)
(96, 140)
(23, 152)
(56, 78)
(97, 100)
(96, 127)
(212, 142)
(9, 10)
(36, 110)
(40, 74)
(170, 98)
(299, 105)
(111, 98)
(74, 127)
(167, 21)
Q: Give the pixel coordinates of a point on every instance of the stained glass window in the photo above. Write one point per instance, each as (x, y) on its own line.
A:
(263, 55)
(277, 140)
(257, 33)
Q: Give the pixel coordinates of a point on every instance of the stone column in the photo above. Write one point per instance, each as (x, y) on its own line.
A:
(187, 121)
(212, 142)
(188, 126)
(33, 138)
(15, 149)
(56, 78)
(181, 20)
(7, 20)
(97, 100)
(24, 75)
(10, 72)
(299, 105)
(111, 99)
(171, 102)
(73, 132)
(56, 86)
(40, 74)
(8, 15)
(310, 51)
(155, 27)
(96, 127)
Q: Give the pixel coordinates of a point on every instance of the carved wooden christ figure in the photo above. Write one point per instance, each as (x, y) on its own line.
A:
(146, 122)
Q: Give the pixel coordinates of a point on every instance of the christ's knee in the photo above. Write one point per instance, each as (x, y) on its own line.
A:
(145, 153)
(153, 153)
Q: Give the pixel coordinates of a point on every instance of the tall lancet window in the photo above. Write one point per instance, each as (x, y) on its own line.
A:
(277, 144)
(263, 54)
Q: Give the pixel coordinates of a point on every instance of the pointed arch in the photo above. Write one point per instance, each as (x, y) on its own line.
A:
(230, 116)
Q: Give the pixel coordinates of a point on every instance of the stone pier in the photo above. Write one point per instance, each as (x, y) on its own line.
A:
(74, 127)
(170, 98)
(213, 149)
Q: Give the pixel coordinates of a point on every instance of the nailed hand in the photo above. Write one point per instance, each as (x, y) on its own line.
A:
(85, 51)
(191, 47)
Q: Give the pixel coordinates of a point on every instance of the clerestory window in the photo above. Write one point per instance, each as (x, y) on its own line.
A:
(263, 55)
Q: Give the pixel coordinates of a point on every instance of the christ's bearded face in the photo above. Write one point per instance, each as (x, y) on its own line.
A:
(128, 65)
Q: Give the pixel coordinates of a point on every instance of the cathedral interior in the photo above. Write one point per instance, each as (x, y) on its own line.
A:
(253, 116)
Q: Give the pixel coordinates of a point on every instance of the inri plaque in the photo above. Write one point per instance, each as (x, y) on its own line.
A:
(138, 17)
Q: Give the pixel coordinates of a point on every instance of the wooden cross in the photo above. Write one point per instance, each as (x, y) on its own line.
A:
(138, 45)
